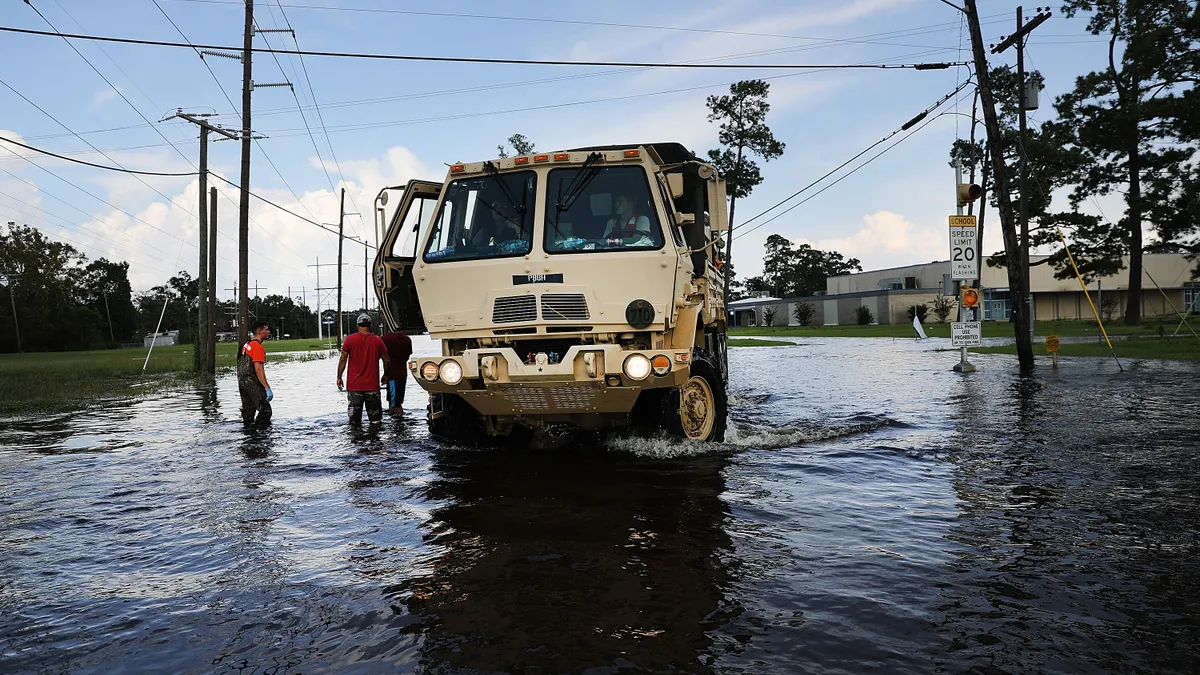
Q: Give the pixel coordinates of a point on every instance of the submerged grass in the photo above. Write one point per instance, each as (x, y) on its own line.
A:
(757, 342)
(48, 381)
(1180, 348)
(990, 329)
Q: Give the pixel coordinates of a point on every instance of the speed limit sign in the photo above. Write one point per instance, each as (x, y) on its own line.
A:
(964, 236)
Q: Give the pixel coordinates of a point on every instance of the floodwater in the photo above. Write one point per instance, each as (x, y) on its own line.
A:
(872, 512)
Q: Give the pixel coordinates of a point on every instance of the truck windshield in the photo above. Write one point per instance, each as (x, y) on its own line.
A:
(600, 209)
(484, 217)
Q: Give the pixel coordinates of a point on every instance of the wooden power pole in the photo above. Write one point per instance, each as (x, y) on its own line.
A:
(1017, 283)
(341, 224)
(244, 203)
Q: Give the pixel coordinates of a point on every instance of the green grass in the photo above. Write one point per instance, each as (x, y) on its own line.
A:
(48, 381)
(755, 342)
(990, 329)
(1183, 347)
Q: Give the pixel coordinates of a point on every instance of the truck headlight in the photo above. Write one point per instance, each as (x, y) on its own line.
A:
(637, 367)
(429, 371)
(661, 365)
(451, 372)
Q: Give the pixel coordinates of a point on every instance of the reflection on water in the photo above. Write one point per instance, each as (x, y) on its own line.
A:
(870, 511)
(568, 560)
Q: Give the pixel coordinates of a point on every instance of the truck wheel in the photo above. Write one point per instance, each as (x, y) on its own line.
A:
(697, 411)
(460, 422)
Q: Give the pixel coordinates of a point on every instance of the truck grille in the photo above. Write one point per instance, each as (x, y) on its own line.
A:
(514, 308)
(564, 306)
(526, 398)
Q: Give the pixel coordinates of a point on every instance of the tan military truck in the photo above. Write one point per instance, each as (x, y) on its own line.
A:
(580, 287)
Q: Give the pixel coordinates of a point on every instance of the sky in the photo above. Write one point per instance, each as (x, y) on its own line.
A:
(365, 124)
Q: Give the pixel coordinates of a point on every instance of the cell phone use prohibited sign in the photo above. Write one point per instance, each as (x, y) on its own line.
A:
(964, 237)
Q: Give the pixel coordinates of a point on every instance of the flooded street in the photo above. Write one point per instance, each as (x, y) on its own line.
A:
(871, 512)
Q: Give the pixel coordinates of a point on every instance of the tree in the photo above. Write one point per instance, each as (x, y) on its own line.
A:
(804, 312)
(742, 115)
(520, 146)
(942, 305)
(1017, 281)
(104, 287)
(43, 278)
(1133, 128)
(769, 316)
(800, 271)
(863, 315)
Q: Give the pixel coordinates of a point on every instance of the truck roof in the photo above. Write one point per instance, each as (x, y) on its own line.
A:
(669, 153)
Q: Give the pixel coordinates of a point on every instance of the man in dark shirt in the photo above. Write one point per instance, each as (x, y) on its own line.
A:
(362, 351)
(399, 348)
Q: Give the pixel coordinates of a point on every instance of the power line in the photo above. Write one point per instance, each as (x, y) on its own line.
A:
(481, 60)
(312, 93)
(284, 209)
(97, 166)
(233, 107)
(904, 127)
(603, 24)
(907, 125)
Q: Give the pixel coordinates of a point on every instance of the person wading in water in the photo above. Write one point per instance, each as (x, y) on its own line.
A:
(252, 377)
(363, 350)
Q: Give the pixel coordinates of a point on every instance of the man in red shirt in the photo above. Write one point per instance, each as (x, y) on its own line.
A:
(362, 351)
(252, 377)
(399, 348)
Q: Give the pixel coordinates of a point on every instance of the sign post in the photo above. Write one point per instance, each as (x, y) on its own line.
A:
(964, 266)
(964, 263)
(1052, 347)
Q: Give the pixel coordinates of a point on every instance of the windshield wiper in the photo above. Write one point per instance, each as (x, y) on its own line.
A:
(587, 172)
(491, 170)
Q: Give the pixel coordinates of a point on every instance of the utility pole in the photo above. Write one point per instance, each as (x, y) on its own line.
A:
(341, 236)
(11, 281)
(1012, 247)
(203, 334)
(319, 289)
(244, 204)
(211, 329)
(366, 276)
(107, 312)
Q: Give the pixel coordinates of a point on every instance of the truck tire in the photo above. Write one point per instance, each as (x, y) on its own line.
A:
(460, 422)
(698, 411)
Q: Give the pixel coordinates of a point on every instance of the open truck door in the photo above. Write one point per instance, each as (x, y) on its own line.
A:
(397, 255)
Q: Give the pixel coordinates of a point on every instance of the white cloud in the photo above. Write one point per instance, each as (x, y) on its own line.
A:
(887, 239)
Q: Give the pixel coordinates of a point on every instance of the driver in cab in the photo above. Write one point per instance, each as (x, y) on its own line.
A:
(503, 227)
(627, 228)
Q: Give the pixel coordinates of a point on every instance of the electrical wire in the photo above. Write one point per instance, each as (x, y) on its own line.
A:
(602, 24)
(289, 211)
(904, 127)
(482, 60)
(236, 112)
(97, 166)
(907, 125)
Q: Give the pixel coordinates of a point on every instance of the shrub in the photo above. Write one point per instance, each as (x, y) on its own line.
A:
(942, 305)
(769, 316)
(804, 312)
(918, 311)
(1109, 305)
(863, 315)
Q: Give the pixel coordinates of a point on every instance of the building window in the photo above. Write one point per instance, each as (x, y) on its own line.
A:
(1191, 296)
(997, 306)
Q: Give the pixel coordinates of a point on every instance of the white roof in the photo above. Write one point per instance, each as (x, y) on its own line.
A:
(752, 301)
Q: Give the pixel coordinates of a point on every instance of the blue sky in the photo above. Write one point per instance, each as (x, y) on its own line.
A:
(391, 121)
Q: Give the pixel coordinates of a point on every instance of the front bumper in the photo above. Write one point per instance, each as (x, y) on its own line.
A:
(589, 379)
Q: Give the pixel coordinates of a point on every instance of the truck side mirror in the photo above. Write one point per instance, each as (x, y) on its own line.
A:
(675, 182)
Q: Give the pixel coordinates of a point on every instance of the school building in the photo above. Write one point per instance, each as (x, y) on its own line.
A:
(1167, 288)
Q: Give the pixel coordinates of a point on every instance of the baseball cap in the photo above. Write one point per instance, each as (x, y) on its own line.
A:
(364, 319)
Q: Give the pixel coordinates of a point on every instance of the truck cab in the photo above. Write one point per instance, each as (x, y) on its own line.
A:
(580, 287)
